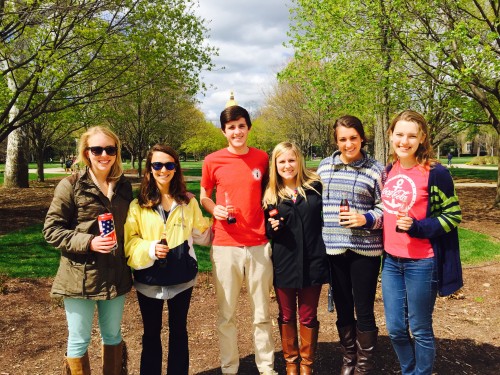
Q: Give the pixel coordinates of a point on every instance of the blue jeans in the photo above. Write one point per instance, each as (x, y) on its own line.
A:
(409, 289)
(80, 314)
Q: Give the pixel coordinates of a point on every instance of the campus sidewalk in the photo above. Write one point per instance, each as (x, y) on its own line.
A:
(197, 178)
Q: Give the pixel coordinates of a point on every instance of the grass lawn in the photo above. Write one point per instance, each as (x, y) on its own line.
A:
(25, 253)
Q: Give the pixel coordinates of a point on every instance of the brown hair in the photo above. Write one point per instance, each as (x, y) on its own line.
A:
(349, 121)
(424, 153)
(149, 195)
(233, 113)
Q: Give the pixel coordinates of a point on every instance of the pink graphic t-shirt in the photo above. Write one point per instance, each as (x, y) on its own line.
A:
(410, 186)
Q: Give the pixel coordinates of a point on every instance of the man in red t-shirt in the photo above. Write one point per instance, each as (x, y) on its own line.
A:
(240, 248)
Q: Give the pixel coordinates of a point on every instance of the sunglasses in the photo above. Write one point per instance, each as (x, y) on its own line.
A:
(157, 166)
(97, 150)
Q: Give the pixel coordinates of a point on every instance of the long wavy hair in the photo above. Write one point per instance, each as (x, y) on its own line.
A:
(149, 195)
(116, 169)
(424, 153)
(276, 191)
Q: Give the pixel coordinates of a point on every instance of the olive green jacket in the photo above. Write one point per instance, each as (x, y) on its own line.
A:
(71, 224)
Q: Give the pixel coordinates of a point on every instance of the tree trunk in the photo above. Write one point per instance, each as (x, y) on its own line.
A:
(497, 198)
(380, 144)
(39, 165)
(16, 165)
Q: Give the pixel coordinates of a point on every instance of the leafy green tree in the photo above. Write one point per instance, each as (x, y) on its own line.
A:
(203, 139)
(347, 61)
(56, 55)
(457, 44)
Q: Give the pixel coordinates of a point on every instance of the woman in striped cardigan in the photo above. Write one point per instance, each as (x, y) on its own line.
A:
(353, 241)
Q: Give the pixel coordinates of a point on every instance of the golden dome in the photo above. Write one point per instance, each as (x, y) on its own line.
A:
(231, 101)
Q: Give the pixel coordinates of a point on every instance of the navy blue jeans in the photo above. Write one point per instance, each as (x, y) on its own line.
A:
(409, 289)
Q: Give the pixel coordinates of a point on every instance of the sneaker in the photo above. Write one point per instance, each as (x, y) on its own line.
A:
(269, 372)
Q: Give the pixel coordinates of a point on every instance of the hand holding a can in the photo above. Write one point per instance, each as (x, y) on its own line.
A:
(103, 245)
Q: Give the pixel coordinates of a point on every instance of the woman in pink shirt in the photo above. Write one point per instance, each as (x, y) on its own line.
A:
(421, 215)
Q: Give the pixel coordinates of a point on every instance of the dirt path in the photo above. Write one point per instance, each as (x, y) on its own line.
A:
(33, 331)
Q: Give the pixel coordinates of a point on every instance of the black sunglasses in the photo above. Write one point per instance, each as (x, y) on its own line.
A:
(97, 150)
(157, 166)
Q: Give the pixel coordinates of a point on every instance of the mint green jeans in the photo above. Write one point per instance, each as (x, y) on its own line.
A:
(80, 314)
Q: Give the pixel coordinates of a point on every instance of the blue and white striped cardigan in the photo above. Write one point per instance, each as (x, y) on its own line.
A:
(362, 180)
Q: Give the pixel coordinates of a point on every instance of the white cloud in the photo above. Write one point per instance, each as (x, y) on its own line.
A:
(250, 37)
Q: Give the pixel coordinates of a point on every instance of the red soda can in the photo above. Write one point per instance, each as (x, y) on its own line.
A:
(107, 227)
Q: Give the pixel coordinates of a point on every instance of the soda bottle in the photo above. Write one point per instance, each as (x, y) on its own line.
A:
(344, 206)
(107, 228)
(163, 261)
(402, 212)
(231, 219)
(275, 215)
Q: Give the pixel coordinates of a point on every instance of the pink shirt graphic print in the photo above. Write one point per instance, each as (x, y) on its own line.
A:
(408, 186)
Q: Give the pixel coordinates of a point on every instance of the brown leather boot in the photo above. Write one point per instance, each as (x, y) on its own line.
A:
(114, 359)
(365, 342)
(290, 344)
(77, 365)
(308, 344)
(347, 337)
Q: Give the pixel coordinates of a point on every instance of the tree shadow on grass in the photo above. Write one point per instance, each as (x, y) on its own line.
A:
(464, 357)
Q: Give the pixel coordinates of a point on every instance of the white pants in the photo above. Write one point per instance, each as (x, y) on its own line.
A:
(231, 265)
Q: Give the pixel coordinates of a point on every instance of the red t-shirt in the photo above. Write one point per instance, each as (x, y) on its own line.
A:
(408, 185)
(241, 177)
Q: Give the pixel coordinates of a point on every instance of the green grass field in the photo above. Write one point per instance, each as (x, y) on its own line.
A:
(25, 253)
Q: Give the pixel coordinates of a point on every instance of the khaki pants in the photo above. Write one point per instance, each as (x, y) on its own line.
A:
(231, 265)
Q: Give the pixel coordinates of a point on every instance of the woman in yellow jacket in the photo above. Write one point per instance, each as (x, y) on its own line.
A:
(162, 224)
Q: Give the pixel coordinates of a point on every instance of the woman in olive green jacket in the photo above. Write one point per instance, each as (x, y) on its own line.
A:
(93, 270)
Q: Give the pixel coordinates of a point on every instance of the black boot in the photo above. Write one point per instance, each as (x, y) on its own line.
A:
(347, 337)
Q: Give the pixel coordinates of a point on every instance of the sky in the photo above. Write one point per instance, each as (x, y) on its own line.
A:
(250, 37)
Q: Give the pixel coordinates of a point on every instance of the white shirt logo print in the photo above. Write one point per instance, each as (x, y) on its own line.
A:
(257, 174)
(404, 190)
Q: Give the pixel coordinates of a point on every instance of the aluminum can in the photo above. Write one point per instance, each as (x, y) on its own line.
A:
(107, 227)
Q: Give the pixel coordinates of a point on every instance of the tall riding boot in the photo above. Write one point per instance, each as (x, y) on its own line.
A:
(114, 359)
(290, 344)
(366, 342)
(77, 366)
(308, 344)
(347, 337)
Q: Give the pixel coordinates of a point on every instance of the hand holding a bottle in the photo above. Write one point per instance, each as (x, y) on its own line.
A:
(403, 223)
(275, 220)
(161, 250)
(351, 219)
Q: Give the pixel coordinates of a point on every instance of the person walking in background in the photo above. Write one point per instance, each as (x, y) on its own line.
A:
(162, 224)
(450, 156)
(293, 209)
(421, 242)
(353, 239)
(240, 248)
(92, 269)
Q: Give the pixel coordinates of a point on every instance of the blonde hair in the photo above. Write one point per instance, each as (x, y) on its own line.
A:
(424, 153)
(275, 190)
(116, 169)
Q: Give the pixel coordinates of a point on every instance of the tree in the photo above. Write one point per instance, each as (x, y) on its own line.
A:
(56, 55)
(287, 115)
(347, 61)
(457, 44)
(203, 139)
